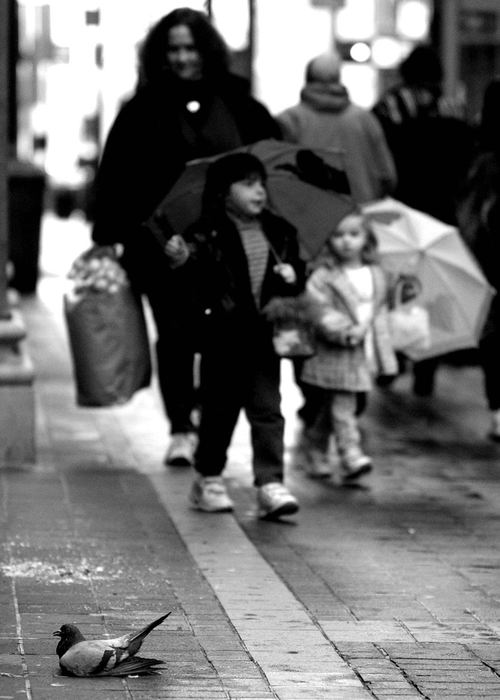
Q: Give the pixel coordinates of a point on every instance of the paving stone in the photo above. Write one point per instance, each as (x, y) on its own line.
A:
(54, 693)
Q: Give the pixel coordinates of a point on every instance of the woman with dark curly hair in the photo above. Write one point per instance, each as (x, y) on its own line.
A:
(187, 104)
(208, 42)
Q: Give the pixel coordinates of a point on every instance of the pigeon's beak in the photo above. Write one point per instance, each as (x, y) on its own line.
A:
(57, 633)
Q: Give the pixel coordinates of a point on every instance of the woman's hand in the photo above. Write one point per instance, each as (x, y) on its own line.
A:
(286, 272)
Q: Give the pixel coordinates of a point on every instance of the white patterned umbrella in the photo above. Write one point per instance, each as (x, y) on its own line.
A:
(455, 292)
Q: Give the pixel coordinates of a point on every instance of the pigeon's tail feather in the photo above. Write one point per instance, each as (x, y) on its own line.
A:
(135, 640)
(135, 665)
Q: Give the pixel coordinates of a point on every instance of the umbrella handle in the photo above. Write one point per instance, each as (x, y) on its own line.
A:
(273, 252)
(399, 289)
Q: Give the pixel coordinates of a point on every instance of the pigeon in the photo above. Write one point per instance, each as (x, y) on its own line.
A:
(104, 657)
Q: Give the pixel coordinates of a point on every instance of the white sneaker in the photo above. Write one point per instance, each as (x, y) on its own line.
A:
(316, 464)
(355, 464)
(208, 493)
(275, 500)
(494, 433)
(181, 450)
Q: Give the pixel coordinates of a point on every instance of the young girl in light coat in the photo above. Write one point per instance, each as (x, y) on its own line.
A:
(349, 290)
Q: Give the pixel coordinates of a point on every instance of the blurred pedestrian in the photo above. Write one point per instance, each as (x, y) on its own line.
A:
(186, 105)
(242, 256)
(479, 222)
(431, 144)
(326, 118)
(353, 344)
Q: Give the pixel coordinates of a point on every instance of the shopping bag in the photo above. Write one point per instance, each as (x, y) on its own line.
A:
(292, 328)
(107, 331)
(292, 340)
(409, 322)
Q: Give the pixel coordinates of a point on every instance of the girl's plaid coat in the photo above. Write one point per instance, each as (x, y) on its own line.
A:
(336, 366)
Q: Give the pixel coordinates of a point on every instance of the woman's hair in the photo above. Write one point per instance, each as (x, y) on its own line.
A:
(208, 41)
(489, 137)
(221, 174)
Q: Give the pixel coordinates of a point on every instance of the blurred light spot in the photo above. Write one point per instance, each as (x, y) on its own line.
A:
(355, 21)
(232, 19)
(361, 81)
(387, 52)
(360, 52)
(412, 19)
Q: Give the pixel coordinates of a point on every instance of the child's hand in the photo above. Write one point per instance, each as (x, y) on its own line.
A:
(354, 335)
(411, 288)
(174, 246)
(286, 272)
(176, 249)
(405, 288)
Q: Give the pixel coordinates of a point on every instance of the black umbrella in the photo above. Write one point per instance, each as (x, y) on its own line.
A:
(308, 188)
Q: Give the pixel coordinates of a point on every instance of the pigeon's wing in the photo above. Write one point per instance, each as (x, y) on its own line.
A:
(92, 657)
(135, 665)
(122, 642)
(133, 640)
(126, 645)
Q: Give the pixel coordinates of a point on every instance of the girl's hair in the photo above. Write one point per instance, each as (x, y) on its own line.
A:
(370, 254)
(211, 46)
(221, 174)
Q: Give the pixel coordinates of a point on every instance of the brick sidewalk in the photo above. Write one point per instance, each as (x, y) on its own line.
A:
(88, 539)
(389, 591)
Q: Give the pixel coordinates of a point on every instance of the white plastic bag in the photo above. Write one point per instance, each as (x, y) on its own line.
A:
(410, 327)
(409, 323)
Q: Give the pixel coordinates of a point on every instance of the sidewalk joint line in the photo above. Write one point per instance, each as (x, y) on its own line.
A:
(19, 633)
(19, 628)
(401, 670)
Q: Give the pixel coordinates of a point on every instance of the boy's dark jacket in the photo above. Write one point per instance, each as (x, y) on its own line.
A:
(219, 264)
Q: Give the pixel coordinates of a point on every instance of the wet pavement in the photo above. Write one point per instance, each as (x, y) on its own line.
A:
(388, 590)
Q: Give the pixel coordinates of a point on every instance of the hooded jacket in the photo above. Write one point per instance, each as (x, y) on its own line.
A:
(326, 118)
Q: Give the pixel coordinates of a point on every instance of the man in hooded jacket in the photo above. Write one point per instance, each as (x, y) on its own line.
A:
(326, 118)
(187, 105)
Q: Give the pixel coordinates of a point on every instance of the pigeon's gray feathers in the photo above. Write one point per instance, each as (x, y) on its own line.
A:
(104, 657)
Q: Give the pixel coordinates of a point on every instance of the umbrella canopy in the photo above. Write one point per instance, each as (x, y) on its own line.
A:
(309, 188)
(455, 292)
